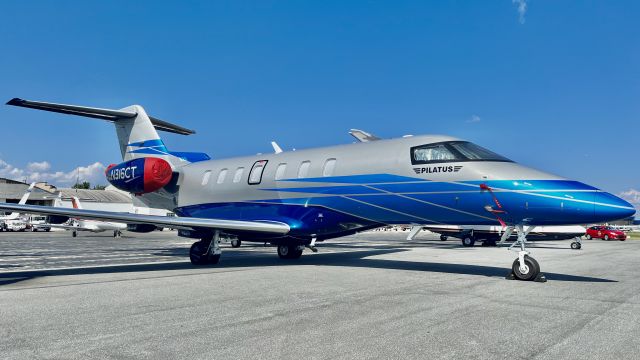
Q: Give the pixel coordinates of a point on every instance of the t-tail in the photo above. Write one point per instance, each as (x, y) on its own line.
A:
(137, 131)
(147, 164)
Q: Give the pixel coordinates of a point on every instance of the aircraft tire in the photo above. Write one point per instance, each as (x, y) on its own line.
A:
(235, 243)
(443, 237)
(289, 252)
(198, 257)
(468, 241)
(576, 245)
(532, 265)
(74, 234)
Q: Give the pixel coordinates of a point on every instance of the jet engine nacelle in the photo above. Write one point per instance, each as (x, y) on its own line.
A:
(140, 176)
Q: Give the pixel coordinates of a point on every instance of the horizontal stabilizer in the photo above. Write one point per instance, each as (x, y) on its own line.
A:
(271, 227)
(97, 113)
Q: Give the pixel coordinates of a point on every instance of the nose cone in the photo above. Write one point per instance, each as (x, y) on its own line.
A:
(609, 207)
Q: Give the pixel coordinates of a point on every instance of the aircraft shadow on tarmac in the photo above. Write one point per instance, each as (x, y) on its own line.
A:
(249, 260)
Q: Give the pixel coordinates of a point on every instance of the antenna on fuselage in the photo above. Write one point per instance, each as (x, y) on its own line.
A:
(276, 148)
(363, 136)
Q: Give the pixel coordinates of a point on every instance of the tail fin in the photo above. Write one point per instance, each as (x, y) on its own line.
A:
(23, 200)
(76, 202)
(135, 129)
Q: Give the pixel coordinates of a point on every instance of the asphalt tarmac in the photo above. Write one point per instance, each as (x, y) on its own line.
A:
(368, 296)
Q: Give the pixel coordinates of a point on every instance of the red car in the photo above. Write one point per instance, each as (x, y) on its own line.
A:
(605, 233)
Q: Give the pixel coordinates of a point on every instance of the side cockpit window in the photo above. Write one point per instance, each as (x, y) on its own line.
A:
(432, 153)
(452, 151)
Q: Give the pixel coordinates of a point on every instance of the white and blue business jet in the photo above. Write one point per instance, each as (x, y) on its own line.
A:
(294, 199)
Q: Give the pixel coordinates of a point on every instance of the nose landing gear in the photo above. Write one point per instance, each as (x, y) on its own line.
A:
(525, 267)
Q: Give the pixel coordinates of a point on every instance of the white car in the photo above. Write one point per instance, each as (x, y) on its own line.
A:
(15, 225)
(38, 223)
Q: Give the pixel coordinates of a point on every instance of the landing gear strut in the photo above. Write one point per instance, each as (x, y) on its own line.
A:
(117, 233)
(525, 267)
(207, 250)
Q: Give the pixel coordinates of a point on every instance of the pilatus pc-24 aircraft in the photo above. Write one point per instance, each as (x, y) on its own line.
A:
(294, 199)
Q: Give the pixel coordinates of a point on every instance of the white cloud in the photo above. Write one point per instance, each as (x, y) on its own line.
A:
(632, 196)
(474, 119)
(522, 9)
(40, 171)
(38, 166)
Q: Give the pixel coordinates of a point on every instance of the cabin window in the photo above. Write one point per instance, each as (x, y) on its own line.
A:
(205, 177)
(222, 175)
(238, 175)
(255, 176)
(329, 166)
(282, 168)
(303, 170)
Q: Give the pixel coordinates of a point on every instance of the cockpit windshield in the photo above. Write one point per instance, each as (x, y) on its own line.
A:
(452, 151)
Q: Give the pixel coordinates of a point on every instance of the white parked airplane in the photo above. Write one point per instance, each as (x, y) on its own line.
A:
(94, 226)
(23, 200)
(294, 199)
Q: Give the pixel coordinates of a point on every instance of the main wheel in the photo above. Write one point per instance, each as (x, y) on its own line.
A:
(235, 243)
(468, 241)
(74, 234)
(576, 245)
(289, 252)
(588, 237)
(530, 271)
(198, 254)
(443, 237)
(606, 237)
(115, 233)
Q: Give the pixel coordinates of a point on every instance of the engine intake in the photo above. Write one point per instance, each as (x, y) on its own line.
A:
(140, 176)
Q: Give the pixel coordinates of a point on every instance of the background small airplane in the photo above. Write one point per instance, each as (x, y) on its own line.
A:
(490, 235)
(23, 200)
(94, 226)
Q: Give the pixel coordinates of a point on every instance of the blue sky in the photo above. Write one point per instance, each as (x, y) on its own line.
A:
(555, 86)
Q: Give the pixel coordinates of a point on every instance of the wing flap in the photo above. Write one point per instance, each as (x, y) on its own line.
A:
(272, 227)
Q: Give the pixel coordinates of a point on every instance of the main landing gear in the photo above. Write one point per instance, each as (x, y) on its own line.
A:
(290, 251)
(207, 250)
(524, 267)
(117, 233)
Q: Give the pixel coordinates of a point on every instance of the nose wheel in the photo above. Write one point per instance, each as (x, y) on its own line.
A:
(525, 267)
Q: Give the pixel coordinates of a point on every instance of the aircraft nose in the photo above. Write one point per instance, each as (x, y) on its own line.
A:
(608, 207)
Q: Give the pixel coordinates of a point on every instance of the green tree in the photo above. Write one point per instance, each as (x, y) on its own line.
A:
(82, 185)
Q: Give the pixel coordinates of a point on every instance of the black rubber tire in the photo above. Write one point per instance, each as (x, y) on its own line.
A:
(198, 256)
(47, 230)
(605, 237)
(289, 252)
(115, 233)
(532, 265)
(236, 243)
(576, 245)
(468, 241)
(443, 237)
(588, 237)
(74, 234)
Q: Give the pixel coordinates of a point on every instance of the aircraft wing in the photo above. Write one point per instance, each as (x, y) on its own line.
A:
(271, 227)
